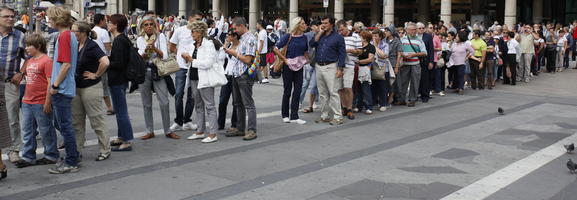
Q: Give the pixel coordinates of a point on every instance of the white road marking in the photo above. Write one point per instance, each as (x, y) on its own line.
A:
(488, 185)
(140, 134)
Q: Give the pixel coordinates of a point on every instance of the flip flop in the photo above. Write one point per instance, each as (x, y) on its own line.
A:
(110, 112)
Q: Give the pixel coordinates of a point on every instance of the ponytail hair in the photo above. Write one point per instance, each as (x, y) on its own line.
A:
(85, 27)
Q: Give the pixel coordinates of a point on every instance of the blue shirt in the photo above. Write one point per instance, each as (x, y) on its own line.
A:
(330, 48)
(11, 53)
(297, 46)
(68, 86)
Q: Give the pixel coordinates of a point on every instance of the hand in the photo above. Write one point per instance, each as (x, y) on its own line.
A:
(430, 66)
(396, 70)
(231, 52)
(16, 79)
(47, 108)
(90, 76)
(481, 66)
(339, 73)
(53, 91)
(285, 61)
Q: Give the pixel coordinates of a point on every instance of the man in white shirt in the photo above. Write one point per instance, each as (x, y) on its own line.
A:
(105, 43)
(179, 42)
(262, 49)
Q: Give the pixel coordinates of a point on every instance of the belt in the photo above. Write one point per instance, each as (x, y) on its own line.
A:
(324, 63)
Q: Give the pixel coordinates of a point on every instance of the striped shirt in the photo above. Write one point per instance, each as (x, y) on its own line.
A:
(417, 44)
(247, 47)
(11, 53)
(352, 41)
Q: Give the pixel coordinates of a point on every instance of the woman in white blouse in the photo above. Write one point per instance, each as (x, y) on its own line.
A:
(207, 58)
(151, 45)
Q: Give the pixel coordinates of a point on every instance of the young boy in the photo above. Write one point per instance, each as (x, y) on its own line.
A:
(37, 106)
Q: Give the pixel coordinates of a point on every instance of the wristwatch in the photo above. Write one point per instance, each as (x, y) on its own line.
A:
(55, 87)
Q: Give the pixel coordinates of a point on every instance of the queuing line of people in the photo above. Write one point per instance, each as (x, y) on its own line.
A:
(347, 68)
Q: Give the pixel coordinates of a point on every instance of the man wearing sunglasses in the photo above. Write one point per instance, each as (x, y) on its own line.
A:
(12, 47)
(180, 41)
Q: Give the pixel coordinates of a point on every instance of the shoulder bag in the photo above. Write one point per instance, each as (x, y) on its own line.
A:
(278, 63)
(166, 67)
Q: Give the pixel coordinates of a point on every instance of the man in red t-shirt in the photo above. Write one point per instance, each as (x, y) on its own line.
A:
(37, 106)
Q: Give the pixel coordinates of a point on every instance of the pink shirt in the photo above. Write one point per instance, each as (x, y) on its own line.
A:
(436, 45)
(459, 52)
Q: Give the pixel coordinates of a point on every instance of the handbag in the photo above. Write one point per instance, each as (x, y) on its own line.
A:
(216, 75)
(378, 72)
(440, 63)
(278, 63)
(166, 67)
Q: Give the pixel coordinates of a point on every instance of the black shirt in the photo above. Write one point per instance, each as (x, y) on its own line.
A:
(193, 72)
(119, 57)
(365, 54)
(88, 58)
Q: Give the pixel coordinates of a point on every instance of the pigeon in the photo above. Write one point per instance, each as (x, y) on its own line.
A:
(569, 147)
(572, 166)
(501, 111)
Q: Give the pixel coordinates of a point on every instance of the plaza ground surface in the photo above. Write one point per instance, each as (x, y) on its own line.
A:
(454, 147)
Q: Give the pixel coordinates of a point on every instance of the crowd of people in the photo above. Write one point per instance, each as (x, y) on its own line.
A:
(85, 68)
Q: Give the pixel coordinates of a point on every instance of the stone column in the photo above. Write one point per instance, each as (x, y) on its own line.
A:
(446, 11)
(152, 5)
(293, 9)
(112, 7)
(252, 14)
(388, 12)
(510, 13)
(216, 8)
(537, 11)
(181, 8)
(339, 9)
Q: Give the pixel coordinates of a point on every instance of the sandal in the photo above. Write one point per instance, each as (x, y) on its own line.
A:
(308, 110)
(102, 156)
(110, 112)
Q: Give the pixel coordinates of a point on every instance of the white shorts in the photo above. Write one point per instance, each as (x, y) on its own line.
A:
(348, 78)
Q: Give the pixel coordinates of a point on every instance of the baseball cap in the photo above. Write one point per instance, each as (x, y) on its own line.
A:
(269, 27)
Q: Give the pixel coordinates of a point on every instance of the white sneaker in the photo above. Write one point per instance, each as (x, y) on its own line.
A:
(430, 93)
(383, 109)
(286, 120)
(441, 93)
(298, 121)
(189, 126)
(196, 136)
(175, 127)
(368, 112)
(355, 110)
(315, 106)
(265, 80)
(209, 140)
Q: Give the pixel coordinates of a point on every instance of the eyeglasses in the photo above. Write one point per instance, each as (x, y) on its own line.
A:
(8, 17)
(148, 24)
(198, 19)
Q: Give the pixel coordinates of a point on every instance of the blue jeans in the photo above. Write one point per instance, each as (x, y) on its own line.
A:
(439, 79)
(460, 77)
(34, 117)
(62, 111)
(182, 117)
(118, 96)
(364, 96)
(309, 81)
(381, 89)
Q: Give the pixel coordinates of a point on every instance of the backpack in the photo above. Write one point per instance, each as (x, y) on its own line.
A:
(136, 69)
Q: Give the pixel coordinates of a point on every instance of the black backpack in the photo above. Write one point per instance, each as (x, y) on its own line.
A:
(136, 69)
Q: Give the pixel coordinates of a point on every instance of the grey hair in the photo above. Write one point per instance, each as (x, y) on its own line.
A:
(419, 25)
(198, 26)
(239, 21)
(410, 24)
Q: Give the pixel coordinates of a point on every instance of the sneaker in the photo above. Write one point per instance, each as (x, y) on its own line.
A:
(411, 104)
(335, 122)
(189, 126)
(383, 109)
(315, 106)
(368, 112)
(233, 132)
(250, 135)
(322, 120)
(195, 136)
(461, 92)
(286, 120)
(430, 93)
(62, 169)
(298, 121)
(355, 110)
(441, 93)
(265, 80)
(175, 127)
(209, 139)
(526, 80)
(13, 156)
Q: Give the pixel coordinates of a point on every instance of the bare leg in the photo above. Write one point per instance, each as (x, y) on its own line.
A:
(108, 103)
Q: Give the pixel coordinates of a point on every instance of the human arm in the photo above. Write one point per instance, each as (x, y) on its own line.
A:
(103, 64)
